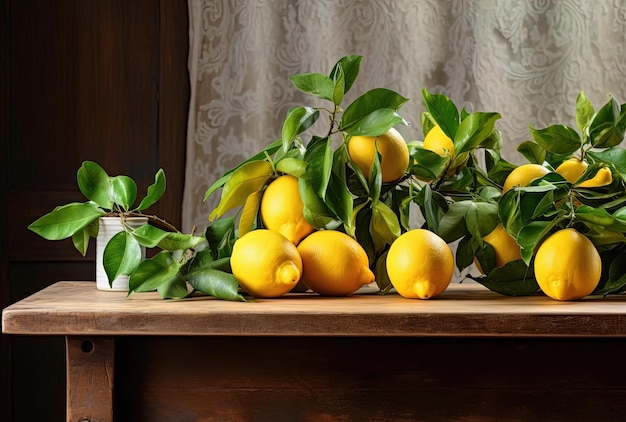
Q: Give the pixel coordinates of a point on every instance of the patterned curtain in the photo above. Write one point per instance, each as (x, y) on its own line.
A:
(526, 59)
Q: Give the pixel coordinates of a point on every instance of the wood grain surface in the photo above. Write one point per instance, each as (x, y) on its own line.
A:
(468, 309)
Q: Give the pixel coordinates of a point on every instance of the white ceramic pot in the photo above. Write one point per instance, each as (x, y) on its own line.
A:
(109, 227)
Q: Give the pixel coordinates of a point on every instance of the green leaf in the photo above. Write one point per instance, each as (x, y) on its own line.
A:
(533, 152)
(376, 123)
(443, 111)
(297, 121)
(339, 199)
(315, 211)
(268, 150)
(375, 178)
(428, 165)
(155, 272)
(123, 191)
(340, 84)
(608, 125)
(558, 139)
(315, 84)
(121, 255)
(380, 273)
(94, 183)
(80, 239)
(350, 69)
(616, 156)
(433, 206)
(616, 282)
(66, 220)
(384, 224)
(584, 112)
(247, 179)
(473, 131)
(481, 218)
(155, 191)
(319, 159)
(600, 217)
(220, 236)
(531, 235)
(368, 103)
(176, 288)
(513, 279)
(216, 283)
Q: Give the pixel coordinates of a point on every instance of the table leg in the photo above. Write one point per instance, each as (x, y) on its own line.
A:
(90, 363)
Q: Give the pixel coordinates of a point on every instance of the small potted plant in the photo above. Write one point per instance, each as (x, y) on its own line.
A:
(123, 232)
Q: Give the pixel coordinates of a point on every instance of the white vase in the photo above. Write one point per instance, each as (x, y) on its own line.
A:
(109, 227)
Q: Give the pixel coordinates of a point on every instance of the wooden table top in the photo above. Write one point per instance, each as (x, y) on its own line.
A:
(467, 309)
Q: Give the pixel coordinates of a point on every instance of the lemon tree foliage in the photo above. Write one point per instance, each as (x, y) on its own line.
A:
(168, 271)
(594, 203)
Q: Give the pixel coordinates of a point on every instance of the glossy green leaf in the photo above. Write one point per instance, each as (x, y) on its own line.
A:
(297, 121)
(584, 112)
(268, 150)
(443, 111)
(339, 199)
(319, 159)
(427, 165)
(384, 224)
(433, 206)
(154, 272)
(600, 217)
(121, 255)
(559, 139)
(376, 123)
(513, 279)
(464, 253)
(221, 235)
(80, 239)
(375, 178)
(533, 152)
(531, 235)
(123, 191)
(155, 191)
(94, 183)
(481, 218)
(175, 288)
(356, 114)
(66, 220)
(381, 275)
(216, 283)
(616, 280)
(316, 212)
(473, 131)
(350, 67)
(315, 84)
(452, 225)
(616, 156)
(340, 84)
(608, 125)
(247, 179)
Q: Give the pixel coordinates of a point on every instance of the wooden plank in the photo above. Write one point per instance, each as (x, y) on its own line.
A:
(77, 308)
(90, 375)
(373, 379)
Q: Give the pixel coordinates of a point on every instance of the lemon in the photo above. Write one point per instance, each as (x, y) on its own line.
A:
(504, 245)
(567, 265)
(265, 263)
(282, 209)
(437, 141)
(334, 264)
(572, 169)
(392, 148)
(602, 178)
(420, 264)
(523, 175)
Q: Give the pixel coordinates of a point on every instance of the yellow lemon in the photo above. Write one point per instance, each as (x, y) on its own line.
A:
(504, 245)
(282, 209)
(523, 175)
(567, 265)
(334, 264)
(572, 169)
(437, 141)
(392, 148)
(603, 177)
(420, 264)
(265, 263)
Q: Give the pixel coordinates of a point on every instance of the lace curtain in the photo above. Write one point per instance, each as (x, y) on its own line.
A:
(524, 59)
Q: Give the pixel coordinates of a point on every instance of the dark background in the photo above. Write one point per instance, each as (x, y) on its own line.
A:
(101, 80)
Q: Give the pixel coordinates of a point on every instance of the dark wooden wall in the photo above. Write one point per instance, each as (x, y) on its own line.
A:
(102, 80)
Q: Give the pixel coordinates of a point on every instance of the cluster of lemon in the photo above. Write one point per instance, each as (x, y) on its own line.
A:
(288, 251)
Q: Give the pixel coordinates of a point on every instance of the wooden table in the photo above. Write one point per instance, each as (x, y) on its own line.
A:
(469, 355)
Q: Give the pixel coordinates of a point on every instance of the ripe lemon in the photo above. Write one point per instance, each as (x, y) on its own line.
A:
(567, 265)
(281, 209)
(334, 264)
(572, 169)
(523, 175)
(392, 148)
(265, 263)
(439, 142)
(504, 245)
(602, 178)
(420, 264)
